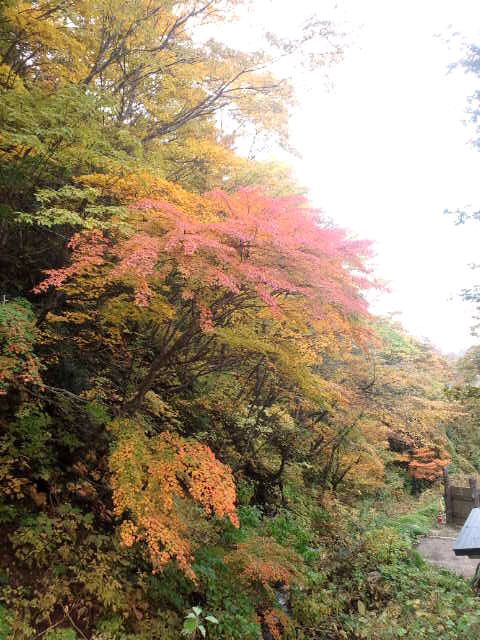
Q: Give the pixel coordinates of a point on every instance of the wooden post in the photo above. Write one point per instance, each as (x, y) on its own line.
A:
(476, 578)
(448, 497)
(474, 489)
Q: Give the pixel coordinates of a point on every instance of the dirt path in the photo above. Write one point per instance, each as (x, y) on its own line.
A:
(437, 549)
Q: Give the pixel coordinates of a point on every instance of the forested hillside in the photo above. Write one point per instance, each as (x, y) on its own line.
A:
(203, 429)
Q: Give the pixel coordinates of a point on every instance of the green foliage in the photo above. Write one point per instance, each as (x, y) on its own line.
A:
(71, 206)
(290, 531)
(386, 545)
(41, 537)
(233, 607)
(4, 625)
(416, 518)
(8, 513)
(56, 134)
(398, 345)
(245, 492)
(97, 413)
(18, 334)
(61, 634)
(30, 441)
(67, 559)
(425, 603)
(419, 522)
(195, 623)
(375, 585)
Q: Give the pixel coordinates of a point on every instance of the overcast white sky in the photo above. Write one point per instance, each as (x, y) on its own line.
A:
(386, 150)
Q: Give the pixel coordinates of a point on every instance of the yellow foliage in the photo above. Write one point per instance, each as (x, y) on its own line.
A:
(133, 187)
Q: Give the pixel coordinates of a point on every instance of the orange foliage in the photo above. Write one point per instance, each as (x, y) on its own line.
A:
(150, 476)
(264, 561)
(424, 463)
(276, 621)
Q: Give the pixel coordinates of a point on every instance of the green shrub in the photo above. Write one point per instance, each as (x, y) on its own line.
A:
(225, 598)
(4, 624)
(385, 545)
(61, 634)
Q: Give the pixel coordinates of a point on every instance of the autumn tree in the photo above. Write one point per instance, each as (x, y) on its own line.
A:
(232, 256)
(214, 289)
(150, 476)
